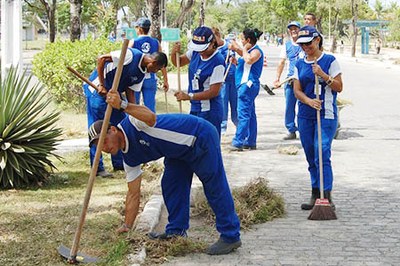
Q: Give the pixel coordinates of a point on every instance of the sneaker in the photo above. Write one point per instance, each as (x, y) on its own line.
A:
(291, 135)
(121, 168)
(235, 148)
(221, 247)
(104, 174)
(165, 236)
(247, 147)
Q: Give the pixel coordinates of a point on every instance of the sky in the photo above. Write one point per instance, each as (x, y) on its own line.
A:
(384, 2)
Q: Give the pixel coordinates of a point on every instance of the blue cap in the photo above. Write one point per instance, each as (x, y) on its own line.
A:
(202, 37)
(307, 34)
(293, 23)
(143, 23)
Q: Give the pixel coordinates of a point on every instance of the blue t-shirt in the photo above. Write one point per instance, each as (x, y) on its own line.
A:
(173, 136)
(132, 73)
(250, 74)
(147, 45)
(303, 72)
(202, 74)
(293, 53)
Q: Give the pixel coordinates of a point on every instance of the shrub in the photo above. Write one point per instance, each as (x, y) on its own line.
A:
(50, 68)
(27, 133)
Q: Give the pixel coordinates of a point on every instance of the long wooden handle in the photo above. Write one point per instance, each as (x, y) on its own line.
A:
(178, 66)
(321, 170)
(93, 172)
(84, 79)
(284, 81)
(166, 101)
(227, 70)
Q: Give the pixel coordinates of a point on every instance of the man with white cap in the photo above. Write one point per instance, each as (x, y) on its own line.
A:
(206, 75)
(148, 45)
(189, 145)
(292, 51)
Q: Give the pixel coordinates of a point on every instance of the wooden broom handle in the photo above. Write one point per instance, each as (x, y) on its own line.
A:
(321, 170)
(178, 66)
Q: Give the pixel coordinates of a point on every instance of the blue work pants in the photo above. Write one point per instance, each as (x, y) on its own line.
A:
(205, 160)
(246, 131)
(229, 99)
(96, 108)
(309, 141)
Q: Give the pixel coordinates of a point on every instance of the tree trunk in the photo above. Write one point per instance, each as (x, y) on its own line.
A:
(52, 21)
(153, 7)
(202, 12)
(354, 11)
(334, 30)
(186, 7)
(51, 14)
(75, 21)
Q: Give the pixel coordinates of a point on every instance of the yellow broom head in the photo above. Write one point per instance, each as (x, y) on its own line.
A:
(322, 211)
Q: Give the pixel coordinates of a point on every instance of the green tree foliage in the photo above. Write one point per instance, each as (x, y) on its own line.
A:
(27, 133)
(50, 67)
(394, 26)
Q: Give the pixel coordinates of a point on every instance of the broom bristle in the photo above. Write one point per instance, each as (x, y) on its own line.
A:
(322, 211)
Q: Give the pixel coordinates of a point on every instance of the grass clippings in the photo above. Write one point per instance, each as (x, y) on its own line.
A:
(255, 203)
(160, 251)
(288, 149)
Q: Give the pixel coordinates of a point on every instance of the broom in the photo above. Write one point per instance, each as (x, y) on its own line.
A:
(322, 209)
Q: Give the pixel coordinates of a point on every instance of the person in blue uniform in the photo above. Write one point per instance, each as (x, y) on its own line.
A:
(247, 79)
(327, 69)
(206, 75)
(292, 51)
(136, 65)
(148, 45)
(189, 145)
(228, 90)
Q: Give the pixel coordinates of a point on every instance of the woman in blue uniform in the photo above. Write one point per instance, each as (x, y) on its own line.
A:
(206, 75)
(328, 71)
(247, 77)
(228, 90)
(189, 145)
(148, 45)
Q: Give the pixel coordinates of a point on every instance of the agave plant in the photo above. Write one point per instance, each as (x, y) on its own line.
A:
(27, 133)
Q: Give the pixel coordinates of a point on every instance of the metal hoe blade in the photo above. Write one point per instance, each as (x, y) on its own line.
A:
(267, 89)
(79, 258)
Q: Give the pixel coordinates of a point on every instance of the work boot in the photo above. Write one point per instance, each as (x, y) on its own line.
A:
(221, 247)
(291, 135)
(235, 148)
(104, 174)
(248, 147)
(314, 196)
(166, 236)
(327, 195)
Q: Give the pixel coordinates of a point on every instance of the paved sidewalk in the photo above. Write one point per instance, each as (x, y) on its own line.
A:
(365, 161)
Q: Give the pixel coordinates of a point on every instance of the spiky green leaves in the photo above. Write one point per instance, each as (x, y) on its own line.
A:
(27, 133)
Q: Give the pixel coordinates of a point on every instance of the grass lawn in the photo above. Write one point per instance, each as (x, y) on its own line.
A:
(34, 222)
